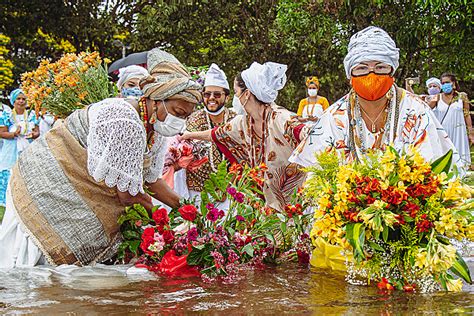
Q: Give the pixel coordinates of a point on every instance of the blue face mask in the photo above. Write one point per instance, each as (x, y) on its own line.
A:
(447, 87)
(131, 92)
(433, 90)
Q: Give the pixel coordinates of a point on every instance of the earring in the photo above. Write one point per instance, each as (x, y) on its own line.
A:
(153, 116)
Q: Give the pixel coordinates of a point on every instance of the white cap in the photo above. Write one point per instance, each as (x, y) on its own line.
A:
(265, 80)
(130, 72)
(216, 77)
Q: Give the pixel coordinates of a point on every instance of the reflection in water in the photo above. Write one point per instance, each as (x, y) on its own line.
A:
(108, 289)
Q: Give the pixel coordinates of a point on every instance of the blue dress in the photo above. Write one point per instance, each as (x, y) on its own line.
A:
(11, 148)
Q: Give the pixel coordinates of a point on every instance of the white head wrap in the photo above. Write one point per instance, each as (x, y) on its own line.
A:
(130, 72)
(372, 43)
(265, 80)
(216, 77)
(433, 80)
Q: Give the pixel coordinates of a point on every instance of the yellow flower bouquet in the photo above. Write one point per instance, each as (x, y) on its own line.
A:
(393, 216)
(71, 83)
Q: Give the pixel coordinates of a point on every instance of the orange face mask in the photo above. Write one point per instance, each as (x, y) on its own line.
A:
(372, 87)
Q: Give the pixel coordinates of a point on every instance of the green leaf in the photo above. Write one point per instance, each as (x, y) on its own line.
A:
(461, 269)
(248, 248)
(443, 164)
(355, 233)
(141, 210)
(199, 255)
(375, 246)
(133, 245)
(281, 217)
(131, 235)
(385, 233)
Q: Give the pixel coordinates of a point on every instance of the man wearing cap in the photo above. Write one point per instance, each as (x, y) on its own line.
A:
(215, 113)
(375, 113)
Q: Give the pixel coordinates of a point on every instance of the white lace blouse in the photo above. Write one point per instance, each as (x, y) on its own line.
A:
(117, 150)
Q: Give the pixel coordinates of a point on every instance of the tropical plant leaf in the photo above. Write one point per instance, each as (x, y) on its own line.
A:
(443, 164)
(461, 269)
(355, 233)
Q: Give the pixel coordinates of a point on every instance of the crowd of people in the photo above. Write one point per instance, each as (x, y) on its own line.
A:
(67, 188)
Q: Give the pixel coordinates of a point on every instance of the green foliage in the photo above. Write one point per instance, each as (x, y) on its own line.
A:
(310, 36)
(2, 212)
(443, 164)
(461, 269)
(355, 234)
(131, 232)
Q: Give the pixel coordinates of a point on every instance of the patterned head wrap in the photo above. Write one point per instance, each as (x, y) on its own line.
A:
(312, 79)
(433, 80)
(265, 80)
(14, 95)
(130, 72)
(372, 43)
(168, 79)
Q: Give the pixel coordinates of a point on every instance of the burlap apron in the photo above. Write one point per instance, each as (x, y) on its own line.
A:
(71, 217)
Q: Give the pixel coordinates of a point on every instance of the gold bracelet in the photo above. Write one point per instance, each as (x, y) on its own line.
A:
(466, 112)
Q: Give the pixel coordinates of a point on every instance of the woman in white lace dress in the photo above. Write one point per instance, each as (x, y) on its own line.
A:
(69, 187)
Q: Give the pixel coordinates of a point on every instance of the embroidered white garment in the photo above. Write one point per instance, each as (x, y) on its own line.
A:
(116, 145)
(416, 126)
(452, 119)
(311, 110)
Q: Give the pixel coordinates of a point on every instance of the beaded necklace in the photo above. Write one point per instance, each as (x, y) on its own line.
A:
(211, 151)
(25, 121)
(144, 117)
(356, 124)
(254, 160)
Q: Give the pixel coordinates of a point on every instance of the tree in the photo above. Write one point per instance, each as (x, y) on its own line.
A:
(6, 66)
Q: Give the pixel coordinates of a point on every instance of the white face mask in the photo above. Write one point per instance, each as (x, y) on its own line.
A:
(171, 126)
(312, 92)
(237, 105)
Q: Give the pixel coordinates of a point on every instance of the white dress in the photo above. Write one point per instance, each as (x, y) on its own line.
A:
(452, 119)
(313, 110)
(110, 120)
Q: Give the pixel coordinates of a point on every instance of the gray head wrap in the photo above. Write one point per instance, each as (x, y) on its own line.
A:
(372, 43)
(169, 79)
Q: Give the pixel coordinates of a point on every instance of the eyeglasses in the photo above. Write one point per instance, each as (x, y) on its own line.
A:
(379, 69)
(216, 94)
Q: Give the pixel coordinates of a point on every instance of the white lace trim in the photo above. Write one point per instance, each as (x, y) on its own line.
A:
(116, 145)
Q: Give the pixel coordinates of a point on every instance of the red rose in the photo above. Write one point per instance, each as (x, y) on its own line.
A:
(160, 217)
(150, 231)
(188, 212)
(147, 240)
(168, 236)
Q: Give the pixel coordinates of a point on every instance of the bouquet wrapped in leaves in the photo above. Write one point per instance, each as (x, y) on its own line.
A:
(206, 240)
(71, 83)
(394, 215)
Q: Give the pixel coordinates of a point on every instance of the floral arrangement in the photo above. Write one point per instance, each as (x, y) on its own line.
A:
(183, 154)
(198, 73)
(394, 216)
(72, 82)
(208, 241)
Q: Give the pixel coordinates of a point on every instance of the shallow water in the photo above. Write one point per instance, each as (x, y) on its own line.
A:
(108, 289)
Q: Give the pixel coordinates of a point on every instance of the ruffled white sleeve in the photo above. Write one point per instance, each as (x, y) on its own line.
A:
(116, 144)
